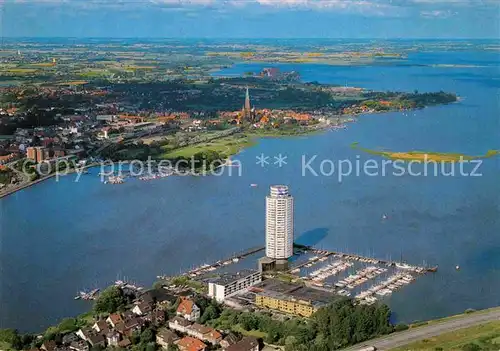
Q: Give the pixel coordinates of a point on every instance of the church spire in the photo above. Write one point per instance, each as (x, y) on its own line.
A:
(247, 101)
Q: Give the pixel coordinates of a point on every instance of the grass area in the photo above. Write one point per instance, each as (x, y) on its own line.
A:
(22, 70)
(74, 82)
(426, 156)
(485, 337)
(254, 333)
(44, 64)
(227, 146)
(5, 346)
(457, 316)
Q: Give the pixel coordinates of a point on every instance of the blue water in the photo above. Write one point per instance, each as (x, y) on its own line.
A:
(60, 237)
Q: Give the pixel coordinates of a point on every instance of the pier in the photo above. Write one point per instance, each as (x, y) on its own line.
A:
(218, 264)
(353, 257)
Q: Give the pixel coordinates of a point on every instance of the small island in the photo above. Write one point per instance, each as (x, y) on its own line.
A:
(427, 156)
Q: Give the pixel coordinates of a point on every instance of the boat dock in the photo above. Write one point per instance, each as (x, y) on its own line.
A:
(324, 255)
(218, 264)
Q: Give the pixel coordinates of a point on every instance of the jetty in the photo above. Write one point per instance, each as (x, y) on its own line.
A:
(204, 268)
(363, 259)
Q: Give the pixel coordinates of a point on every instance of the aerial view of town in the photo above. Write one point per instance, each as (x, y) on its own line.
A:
(203, 175)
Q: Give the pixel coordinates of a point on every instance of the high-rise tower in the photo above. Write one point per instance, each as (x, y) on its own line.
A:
(279, 223)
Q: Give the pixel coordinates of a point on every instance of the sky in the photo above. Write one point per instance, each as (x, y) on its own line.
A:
(251, 18)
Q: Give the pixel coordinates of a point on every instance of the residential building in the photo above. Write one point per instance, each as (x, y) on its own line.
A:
(31, 153)
(279, 223)
(285, 303)
(113, 338)
(97, 340)
(48, 345)
(246, 344)
(106, 118)
(188, 310)
(229, 340)
(124, 343)
(41, 154)
(142, 308)
(189, 343)
(69, 338)
(7, 158)
(133, 324)
(114, 319)
(166, 338)
(231, 284)
(101, 326)
(79, 346)
(204, 333)
(85, 334)
(179, 324)
(157, 317)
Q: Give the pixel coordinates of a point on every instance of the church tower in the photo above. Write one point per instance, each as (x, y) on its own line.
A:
(247, 108)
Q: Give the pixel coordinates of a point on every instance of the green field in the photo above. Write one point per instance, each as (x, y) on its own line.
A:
(481, 337)
(254, 333)
(227, 146)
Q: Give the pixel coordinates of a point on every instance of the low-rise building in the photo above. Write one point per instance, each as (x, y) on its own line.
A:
(188, 309)
(229, 340)
(246, 344)
(165, 338)
(69, 338)
(85, 333)
(7, 158)
(204, 333)
(79, 346)
(142, 309)
(48, 345)
(101, 326)
(189, 343)
(231, 284)
(97, 340)
(290, 298)
(179, 324)
(285, 303)
(113, 319)
(113, 338)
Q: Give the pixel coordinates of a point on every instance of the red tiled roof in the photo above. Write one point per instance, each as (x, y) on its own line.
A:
(191, 344)
(185, 307)
(115, 318)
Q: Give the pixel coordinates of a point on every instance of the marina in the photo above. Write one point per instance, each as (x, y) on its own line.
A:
(87, 295)
(205, 268)
(368, 279)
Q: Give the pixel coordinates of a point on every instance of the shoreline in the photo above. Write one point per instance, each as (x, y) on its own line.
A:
(37, 181)
(350, 118)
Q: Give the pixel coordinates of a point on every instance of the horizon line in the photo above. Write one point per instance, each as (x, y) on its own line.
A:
(254, 38)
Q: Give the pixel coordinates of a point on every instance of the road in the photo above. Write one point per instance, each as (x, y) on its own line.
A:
(429, 331)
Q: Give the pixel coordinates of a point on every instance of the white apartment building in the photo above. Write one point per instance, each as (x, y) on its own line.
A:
(279, 223)
(231, 284)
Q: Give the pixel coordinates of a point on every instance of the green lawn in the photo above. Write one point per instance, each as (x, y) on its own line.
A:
(456, 316)
(254, 333)
(226, 146)
(485, 336)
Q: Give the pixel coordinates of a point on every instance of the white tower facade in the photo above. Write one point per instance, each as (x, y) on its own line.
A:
(279, 223)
